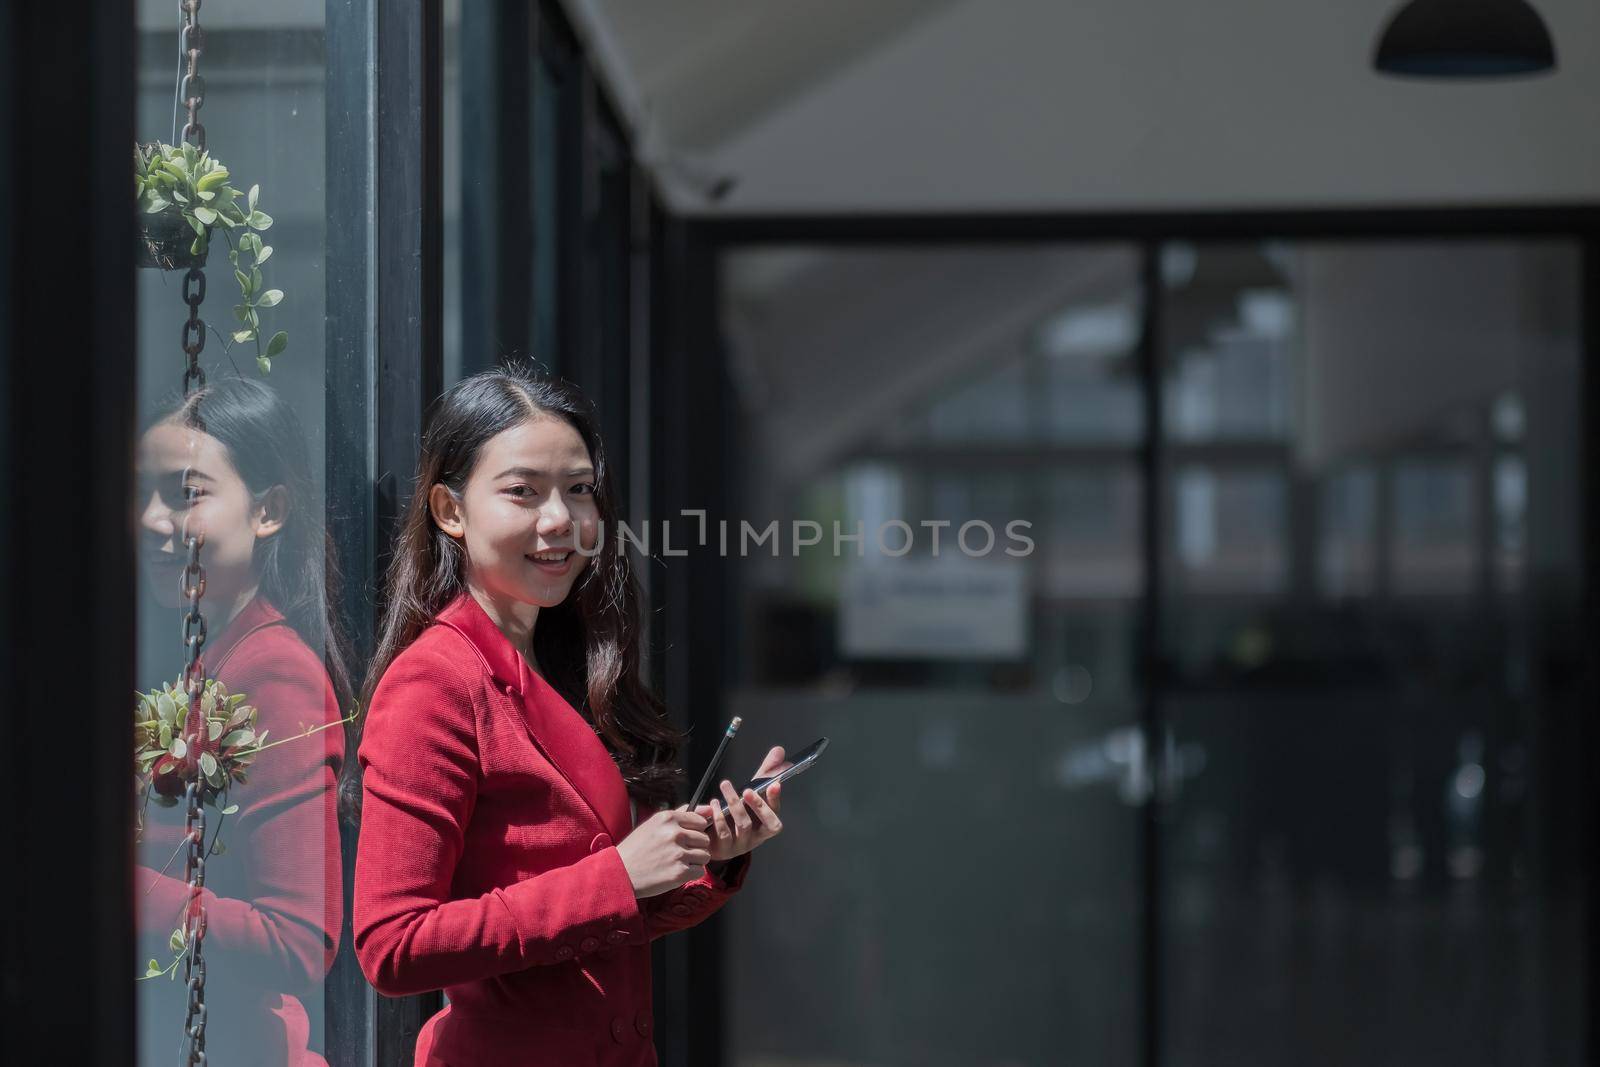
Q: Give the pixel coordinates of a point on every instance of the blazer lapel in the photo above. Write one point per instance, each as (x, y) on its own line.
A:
(558, 729)
(568, 741)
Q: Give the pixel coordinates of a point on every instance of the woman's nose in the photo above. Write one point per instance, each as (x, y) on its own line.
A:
(157, 517)
(554, 518)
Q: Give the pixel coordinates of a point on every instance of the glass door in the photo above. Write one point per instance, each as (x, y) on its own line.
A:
(1373, 562)
(964, 882)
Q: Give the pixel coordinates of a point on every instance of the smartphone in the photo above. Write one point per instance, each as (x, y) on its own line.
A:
(802, 762)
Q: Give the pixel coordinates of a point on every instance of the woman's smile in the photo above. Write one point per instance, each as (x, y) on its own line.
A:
(555, 563)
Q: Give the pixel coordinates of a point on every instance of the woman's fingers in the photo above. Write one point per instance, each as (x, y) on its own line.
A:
(736, 809)
(769, 818)
(718, 830)
(773, 763)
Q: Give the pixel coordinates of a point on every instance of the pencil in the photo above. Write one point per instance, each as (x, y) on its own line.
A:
(716, 762)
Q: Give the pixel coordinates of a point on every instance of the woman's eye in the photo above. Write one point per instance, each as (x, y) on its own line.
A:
(585, 489)
(193, 492)
(519, 491)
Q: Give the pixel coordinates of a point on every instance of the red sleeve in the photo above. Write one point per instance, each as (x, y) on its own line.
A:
(694, 902)
(420, 759)
(280, 904)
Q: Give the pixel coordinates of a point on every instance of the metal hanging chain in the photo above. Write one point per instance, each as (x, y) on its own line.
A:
(194, 331)
(193, 89)
(193, 585)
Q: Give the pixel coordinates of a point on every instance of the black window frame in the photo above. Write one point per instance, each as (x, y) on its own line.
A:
(384, 367)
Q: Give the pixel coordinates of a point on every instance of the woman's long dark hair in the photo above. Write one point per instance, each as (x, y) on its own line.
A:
(587, 647)
(296, 568)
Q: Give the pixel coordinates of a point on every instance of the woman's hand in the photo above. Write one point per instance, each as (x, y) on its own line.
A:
(732, 831)
(665, 851)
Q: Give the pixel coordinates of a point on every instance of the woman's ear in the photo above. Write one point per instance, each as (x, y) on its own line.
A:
(446, 510)
(272, 512)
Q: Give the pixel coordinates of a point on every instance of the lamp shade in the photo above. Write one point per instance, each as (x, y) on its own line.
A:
(1465, 39)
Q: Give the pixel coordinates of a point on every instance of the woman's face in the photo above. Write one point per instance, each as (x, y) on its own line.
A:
(222, 510)
(531, 494)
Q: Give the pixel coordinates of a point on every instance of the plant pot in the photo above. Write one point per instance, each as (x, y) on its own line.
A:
(164, 240)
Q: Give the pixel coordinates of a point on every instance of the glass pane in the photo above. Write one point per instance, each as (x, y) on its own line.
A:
(1059, 367)
(1347, 540)
(1094, 517)
(991, 408)
(1363, 863)
(240, 462)
(1434, 547)
(971, 695)
(1228, 327)
(1092, 391)
(1228, 530)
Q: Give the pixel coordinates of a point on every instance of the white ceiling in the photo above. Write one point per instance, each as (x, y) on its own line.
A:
(841, 106)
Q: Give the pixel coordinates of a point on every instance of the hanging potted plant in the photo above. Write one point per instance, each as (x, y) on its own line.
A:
(183, 196)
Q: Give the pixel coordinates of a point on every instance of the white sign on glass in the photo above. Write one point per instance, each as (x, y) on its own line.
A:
(950, 607)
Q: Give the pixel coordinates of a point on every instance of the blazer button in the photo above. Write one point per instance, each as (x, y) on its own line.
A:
(618, 1029)
(600, 841)
(564, 952)
(589, 944)
(617, 937)
(641, 1023)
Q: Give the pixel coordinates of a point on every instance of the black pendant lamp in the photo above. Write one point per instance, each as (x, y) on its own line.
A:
(1465, 39)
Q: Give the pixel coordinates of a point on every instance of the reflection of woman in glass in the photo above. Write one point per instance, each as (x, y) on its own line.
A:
(510, 748)
(273, 897)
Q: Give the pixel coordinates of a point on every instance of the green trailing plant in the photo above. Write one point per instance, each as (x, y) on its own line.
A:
(185, 183)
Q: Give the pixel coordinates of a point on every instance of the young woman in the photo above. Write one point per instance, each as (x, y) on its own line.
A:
(273, 898)
(516, 849)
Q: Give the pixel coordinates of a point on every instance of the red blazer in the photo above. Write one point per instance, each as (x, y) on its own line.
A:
(487, 862)
(273, 898)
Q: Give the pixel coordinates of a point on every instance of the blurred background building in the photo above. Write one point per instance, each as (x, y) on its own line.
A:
(1274, 749)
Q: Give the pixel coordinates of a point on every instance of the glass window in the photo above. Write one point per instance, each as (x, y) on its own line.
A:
(991, 407)
(1229, 329)
(1347, 539)
(1352, 824)
(238, 465)
(1229, 529)
(942, 389)
(1434, 546)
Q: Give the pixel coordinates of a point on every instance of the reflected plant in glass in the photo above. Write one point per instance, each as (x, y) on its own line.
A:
(174, 745)
(185, 189)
